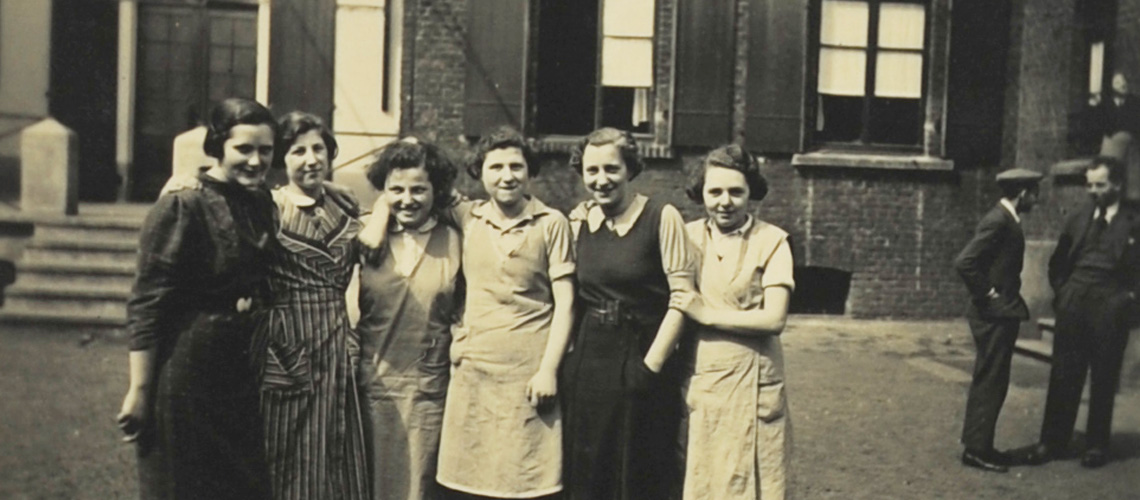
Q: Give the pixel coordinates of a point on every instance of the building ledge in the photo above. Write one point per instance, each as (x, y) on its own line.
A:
(565, 143)
(887, 161)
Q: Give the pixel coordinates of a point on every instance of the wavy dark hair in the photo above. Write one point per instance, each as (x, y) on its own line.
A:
(502, 137)
(626, 144)
(410, 152)
(295, 124)
(732, 157)
(230, 113)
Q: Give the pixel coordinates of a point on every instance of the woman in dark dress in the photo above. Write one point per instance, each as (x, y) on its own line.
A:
(622, 396)
(192, 405)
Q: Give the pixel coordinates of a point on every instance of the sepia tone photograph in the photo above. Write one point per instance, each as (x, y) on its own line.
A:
(569, 249)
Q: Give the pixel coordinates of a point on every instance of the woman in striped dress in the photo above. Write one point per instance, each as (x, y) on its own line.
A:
(305, 349)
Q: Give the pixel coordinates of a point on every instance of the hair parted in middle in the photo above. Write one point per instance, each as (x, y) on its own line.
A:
(502, 137)
(410, 152)
(622, 139)
(294, 124)
(733, 157)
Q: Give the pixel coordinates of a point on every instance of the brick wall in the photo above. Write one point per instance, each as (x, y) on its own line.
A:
(896, 232)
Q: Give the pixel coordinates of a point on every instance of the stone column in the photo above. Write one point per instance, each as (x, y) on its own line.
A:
(49, 164)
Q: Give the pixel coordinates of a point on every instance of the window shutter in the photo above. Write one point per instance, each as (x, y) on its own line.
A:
(496, 64)
(979, 44)
(301, 56)
(774, 98)
(705, 55)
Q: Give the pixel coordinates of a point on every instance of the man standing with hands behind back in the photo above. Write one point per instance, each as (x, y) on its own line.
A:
(1095, 275)
(991, 267)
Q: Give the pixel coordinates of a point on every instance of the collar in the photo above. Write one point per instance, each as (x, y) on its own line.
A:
(300, 199)
(710, 226)
(532, 210)
(621, 224)
(397, 228)
(1109, 211)
(1011, 209)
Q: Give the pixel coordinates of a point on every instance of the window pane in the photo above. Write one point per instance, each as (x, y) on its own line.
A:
(840, 118)
(627, 62)
(898, 74)
(895, 121)
(844, 23)
(901, 25)
(633, 18)
(626, 108)
(842, 71)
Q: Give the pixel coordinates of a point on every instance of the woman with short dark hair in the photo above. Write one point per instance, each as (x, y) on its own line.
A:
(622, 379)
(304, 347)
(409, 300)
(192, 403)
(739, 435)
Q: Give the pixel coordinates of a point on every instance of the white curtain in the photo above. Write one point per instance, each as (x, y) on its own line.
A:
(898, 73)
(627, 43)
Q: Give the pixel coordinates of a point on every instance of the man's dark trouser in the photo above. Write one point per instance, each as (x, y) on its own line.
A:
(1091, 333)
(994, 339)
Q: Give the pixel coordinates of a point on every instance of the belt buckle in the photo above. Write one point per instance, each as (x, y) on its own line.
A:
(611, 313)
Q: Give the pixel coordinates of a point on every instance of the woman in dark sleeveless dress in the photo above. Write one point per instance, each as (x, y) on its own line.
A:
(622, 395)
(192, 405)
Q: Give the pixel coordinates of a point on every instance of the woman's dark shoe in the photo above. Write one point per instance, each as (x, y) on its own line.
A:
(989, 461)
(1094, 458)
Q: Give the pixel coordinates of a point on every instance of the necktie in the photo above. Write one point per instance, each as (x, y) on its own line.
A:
(1098, 226)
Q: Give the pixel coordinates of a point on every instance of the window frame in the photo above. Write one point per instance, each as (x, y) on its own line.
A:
(656, 143)
(872, 51)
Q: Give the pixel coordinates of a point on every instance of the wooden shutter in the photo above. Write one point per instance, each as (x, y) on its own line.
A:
(301, 56)
(705, 55)
(774, 98)
(979, 45)
(495, 52)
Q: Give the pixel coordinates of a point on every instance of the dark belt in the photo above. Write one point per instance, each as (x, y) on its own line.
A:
(615, 313)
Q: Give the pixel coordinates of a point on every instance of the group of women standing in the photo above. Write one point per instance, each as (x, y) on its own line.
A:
(504, 350)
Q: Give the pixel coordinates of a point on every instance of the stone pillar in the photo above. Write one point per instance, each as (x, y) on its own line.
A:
(49, 169)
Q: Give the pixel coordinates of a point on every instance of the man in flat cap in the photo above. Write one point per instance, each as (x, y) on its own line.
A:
(990, 264)
(1095, 275)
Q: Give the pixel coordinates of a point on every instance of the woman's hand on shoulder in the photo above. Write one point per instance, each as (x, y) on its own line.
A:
(181, 183)
(343, 196)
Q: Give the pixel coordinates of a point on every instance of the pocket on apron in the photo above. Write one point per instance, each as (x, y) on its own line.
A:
(287, 370)
(771, 404)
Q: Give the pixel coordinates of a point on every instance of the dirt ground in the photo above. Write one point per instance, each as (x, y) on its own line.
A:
(876, 409)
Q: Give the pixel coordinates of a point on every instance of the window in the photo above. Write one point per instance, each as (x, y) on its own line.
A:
(871, 66)
(590, 73)
(553, 67)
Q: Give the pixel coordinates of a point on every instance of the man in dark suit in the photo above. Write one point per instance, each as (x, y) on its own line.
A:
(990, 264)
(1095, 274)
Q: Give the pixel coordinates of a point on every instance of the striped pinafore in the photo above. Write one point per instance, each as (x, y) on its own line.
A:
(309, 402)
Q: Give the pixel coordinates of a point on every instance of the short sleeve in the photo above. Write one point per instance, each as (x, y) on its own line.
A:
(559, 246)
(165, 234)
(578, 218)
(677, 255)
(779, 267)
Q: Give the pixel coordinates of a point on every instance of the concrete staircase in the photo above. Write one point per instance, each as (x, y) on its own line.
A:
(77, 271)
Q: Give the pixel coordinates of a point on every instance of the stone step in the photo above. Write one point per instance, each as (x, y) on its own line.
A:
(71, 273)
(101, 311)
(116, 229)
(87, 251)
